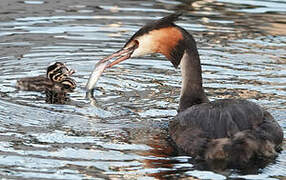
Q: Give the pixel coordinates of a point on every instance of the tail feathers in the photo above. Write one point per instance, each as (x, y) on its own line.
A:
(241, 148)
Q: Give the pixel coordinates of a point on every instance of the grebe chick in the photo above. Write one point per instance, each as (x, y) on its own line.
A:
(233, 131)
(56, 83)
(57, 79)
(58, 95)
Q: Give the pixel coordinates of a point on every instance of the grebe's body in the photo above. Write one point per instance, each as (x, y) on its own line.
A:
(42, 83)
(232, 131)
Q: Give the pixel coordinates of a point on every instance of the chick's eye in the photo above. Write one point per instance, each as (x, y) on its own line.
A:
(66, 86)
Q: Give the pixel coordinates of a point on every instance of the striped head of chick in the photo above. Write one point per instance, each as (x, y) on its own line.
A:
(68, 84)
(58, 71)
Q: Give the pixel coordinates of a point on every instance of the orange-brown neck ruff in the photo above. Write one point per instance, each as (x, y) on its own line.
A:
(165, 40)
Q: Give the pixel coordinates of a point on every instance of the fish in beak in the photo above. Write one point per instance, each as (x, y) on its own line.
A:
(107, 62)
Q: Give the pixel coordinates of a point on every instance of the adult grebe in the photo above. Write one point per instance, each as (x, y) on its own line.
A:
(234, 131)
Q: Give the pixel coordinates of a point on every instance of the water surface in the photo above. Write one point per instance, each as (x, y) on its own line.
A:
(123, 133)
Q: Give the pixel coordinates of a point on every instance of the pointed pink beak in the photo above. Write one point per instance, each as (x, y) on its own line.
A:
(121, 55)
(100, 66)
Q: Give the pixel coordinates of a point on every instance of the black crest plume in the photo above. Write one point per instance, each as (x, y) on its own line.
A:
(157, 24)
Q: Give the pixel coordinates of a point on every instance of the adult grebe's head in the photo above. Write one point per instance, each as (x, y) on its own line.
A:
(160, 36)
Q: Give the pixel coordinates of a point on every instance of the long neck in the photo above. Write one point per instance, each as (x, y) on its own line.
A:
(192, 91)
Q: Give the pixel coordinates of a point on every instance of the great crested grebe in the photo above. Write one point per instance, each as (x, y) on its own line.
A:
(233, 131)
(56, 83)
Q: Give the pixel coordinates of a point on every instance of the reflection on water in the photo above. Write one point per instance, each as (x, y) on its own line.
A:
(122, 133)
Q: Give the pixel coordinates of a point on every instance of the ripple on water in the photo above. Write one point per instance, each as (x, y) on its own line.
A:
(122, 134)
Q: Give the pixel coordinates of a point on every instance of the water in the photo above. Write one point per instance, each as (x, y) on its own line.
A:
(122, 135)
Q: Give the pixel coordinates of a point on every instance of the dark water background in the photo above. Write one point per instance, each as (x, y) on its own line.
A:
(122, 134)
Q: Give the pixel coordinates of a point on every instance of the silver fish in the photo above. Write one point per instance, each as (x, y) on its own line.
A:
(98, 70)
